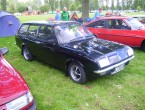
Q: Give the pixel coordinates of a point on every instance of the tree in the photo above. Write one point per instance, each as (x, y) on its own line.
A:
(11, 8)
(85, 9)
(135, 4)
(21, 8)
(93, 5)
(52, 4)
(44, 8)
(3, 4)
(107, 4)
(79, 7)
(112, 5)
(73, 7)
(138, 8)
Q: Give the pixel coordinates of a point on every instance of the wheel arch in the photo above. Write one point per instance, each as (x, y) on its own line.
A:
(142, 47)
(143, 41)
(70, 61)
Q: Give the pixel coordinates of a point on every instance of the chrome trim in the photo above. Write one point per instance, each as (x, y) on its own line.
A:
(113, 66)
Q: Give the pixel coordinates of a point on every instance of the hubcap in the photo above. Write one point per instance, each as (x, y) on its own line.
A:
(26, 54)
(75, 73)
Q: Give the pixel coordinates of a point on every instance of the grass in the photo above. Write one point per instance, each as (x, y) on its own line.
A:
(53, 91)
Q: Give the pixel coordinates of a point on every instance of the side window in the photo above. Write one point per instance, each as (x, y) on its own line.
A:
(121, 24)
(97, 24)
(100, 24)
(117, 24)
(112, 24)
(91, 25)
(45, 33)
(23, 29)
(33, 30)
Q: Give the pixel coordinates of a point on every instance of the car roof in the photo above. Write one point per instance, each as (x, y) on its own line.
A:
(108, 18)
(114, 17)
(51, 23)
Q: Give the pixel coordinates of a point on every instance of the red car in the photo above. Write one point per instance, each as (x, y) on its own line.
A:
(124, 30)
(14, 92)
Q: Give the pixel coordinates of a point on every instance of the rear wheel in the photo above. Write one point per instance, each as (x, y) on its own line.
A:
(77, 73)
(26, 53)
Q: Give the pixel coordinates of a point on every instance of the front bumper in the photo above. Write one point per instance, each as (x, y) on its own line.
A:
(112, 69)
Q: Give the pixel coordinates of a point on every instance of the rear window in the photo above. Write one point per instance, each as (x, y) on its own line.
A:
(23, 29)
(135, 24)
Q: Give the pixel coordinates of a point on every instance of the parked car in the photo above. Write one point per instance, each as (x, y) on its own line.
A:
(14, 92)
(73, 48)
(124, 30)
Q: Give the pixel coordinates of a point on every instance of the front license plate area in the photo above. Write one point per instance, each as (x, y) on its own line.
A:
(117, 69)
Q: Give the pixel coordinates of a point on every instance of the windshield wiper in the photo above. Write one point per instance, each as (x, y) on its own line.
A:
(89, 36)
(76, 39)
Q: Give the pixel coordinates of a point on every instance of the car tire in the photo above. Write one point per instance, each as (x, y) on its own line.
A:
(77, 73)
(26, 54)
(143, 46)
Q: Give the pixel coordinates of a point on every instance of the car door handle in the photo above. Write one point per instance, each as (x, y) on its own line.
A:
(37, 42)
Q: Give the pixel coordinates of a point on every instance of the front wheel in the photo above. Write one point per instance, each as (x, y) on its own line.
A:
(77, 73)
(26, 53)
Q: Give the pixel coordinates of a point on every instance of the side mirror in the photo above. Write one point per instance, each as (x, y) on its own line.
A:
(4, 50)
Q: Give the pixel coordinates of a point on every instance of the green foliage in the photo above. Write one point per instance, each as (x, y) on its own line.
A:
(112, 7)
(72, 7)
(138, 8)
(11, 8)
(140, 3)
(44, 8)
(52, 5)
(104, 7)
(79, 7)
(3, 4)
(21, 8)
(93, 4)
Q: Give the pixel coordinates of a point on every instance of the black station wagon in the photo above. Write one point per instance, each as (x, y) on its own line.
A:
(72, 47)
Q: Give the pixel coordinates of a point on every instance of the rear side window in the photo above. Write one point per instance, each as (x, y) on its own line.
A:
(23, 29)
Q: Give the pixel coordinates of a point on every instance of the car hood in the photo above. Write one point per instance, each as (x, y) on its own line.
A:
(95, 48)
(12, 85)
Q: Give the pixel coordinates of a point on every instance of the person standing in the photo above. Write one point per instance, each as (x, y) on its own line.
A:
(97, 14)
(65, 15)
(57, 16)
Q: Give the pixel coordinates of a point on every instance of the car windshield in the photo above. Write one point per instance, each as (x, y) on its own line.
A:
(71, 32)
(135, 24)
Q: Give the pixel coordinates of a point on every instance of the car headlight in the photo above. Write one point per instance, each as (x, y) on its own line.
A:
(20, 102)
(130, 52)
(103, 62)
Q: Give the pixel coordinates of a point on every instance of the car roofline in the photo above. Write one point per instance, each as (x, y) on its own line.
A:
(108, 18)
(51, 23)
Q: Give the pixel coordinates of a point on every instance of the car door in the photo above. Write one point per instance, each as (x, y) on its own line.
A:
(121, 33)
(98, 28)
(30, 38)
(46, 44)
